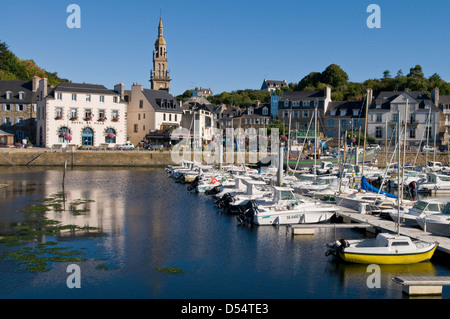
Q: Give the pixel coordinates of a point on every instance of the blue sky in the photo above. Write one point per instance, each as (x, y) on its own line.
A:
(227, 45)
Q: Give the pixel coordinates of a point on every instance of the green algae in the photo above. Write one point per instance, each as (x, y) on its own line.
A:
(170, 270)
(37, 256)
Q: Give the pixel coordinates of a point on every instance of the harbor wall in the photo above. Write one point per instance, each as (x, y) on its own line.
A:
(47, 157)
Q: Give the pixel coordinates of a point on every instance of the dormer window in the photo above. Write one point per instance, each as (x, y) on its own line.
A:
(343, 112)
(8, 95)
(21, 95)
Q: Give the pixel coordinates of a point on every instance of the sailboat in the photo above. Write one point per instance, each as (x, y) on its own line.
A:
(385, 248)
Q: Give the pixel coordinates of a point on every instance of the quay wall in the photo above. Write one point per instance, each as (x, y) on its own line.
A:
(48, 157)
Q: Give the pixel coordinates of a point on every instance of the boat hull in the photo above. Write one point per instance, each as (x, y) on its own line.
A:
(388, 258)
(442, 229)
(293, 218)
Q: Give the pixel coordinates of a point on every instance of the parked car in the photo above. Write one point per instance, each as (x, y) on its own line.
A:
(427, 148)
(126, 146)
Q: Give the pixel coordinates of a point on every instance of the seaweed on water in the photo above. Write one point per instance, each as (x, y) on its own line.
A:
(170, 270)
(36, 256)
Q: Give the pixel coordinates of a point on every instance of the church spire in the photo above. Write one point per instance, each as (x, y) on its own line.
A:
(160, 28)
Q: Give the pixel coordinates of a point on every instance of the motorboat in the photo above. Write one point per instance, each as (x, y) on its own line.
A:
(320, 183)
(287, 209)
(238, 187)
(438, 224)
(236, 203)
(420, 209)
(210, 181)
(436, 183)
(328, 192)
(385, 248)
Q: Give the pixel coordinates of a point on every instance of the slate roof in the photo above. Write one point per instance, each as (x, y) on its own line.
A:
(385, 98)
(83, 88)
(15, 87)
(162, 101)
(348, 106)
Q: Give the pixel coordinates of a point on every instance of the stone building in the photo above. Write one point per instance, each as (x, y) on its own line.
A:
(18, 108)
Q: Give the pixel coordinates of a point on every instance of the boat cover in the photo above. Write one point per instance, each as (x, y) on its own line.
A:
(365, 185)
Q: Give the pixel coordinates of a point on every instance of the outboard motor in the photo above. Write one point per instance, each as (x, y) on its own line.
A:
(194, 184)
(213, 191)
(248, 214)
(224, 200)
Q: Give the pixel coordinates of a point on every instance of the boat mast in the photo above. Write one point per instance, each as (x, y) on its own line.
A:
(315, 141)
(365, 133)
(398, 174)
(404, 150)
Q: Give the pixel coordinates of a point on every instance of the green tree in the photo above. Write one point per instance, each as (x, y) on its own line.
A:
(334, 76)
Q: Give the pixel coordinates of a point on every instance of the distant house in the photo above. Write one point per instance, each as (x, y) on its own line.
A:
(18, 108)
(388, 109)
(80, 114)
(151, 110)
(443, 103)
(271, 85)
(202, 92)
(198, 111)
(343, 116)
(298, 108)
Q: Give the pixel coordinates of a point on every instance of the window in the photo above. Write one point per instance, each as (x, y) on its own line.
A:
(379, 118)
(395, 118)
(8, 95)
(285, 114)
(355, 112)
(101, 115)
(343, 112)
(379, 132)
(305, 114)
(73, 114)
(21, 95)
(296, 114)
(305, 103)
(135, 128)
(175, 117)
(412, 132)
(330, 124)
(59, 96)
(7, 107)
(20, 121)
(115, 115)
(63, 134)
(102, 98)
(164, 116)
(115, 99)
(88, 114)
(110, 136)
(88, 98)
(295, 103)
(141, 104)
(170, 117)
(332, 113)
(74, 97)
(59, 113)
(266, 111)
(139, 116)
(7, 121)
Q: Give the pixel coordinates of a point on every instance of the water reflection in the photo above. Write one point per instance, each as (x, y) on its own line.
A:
(153, 222)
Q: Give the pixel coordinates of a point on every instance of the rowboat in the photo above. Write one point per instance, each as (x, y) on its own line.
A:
(383, 249)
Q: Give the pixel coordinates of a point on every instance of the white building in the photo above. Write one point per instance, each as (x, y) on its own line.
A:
(81, 115)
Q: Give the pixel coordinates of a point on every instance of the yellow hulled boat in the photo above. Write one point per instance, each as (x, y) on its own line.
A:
(384, 249)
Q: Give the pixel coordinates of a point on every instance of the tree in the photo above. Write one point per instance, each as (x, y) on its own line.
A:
(416, 72)
(334, 76)
(387, 74)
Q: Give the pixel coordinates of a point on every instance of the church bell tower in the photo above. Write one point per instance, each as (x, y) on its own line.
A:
(160, 75)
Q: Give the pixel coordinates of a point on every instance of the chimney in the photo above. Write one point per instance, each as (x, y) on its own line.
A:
(35, 85)
(120, 88)
(43, 88)
(435, 96)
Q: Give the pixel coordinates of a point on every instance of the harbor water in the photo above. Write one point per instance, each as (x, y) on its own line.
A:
(150, 238)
